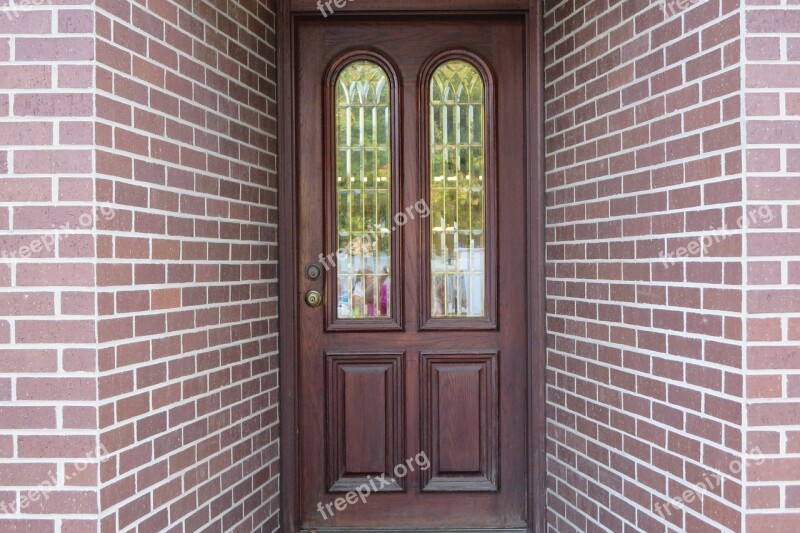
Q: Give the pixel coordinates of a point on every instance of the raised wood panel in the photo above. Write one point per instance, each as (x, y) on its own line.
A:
(364, 447)
(459, 418)
(364, 414)
(460, 421)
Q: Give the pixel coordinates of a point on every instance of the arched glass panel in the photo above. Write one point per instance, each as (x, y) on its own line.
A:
(363, 190)
(457, 192)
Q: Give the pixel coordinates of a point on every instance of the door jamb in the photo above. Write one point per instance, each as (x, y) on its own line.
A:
(534, 227)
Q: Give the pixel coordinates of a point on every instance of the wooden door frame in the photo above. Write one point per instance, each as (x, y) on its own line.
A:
(289, 296)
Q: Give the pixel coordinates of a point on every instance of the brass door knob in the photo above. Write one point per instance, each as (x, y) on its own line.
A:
(313, 298)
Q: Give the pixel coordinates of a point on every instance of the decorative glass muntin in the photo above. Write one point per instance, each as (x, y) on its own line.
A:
(363, 174)
(457, 190)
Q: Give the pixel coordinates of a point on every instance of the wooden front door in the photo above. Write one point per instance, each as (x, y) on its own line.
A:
(412, 373)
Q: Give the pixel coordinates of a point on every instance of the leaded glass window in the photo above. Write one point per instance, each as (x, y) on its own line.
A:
(457, 191)
(363, 107)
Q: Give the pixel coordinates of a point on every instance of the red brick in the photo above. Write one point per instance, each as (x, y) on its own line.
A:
(54, 49)
(57, 274)
(133, 406)
(772, 21)
(39, 217)
(28, 361)
(27, 418)
(26, 133)
(52, 162)
(75, 77)
(75, 21)
(52, 331)
(721, 85)
(771, 132)
(48, 105)
(770, 414)
(26, 474)
(67, 389)
(56, 446)
(27, 303)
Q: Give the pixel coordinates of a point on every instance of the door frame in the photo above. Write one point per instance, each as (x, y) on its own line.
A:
(288, 292)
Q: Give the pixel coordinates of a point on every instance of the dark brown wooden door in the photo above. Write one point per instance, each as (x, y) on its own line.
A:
(410, 168)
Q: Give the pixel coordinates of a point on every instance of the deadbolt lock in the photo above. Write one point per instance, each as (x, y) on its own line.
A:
(313, 272)
(313, 298)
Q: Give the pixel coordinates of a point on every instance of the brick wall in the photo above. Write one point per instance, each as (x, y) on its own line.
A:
(48, 380)
(186, 270)
(645, 359)
(137, 197)
(772, 133)
(137, 165)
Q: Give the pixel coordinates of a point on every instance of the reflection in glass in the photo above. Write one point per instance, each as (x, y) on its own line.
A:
(457, 191)
(363, 191)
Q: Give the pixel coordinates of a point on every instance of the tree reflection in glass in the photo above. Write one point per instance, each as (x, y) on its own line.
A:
(457, 190)
(363, 190)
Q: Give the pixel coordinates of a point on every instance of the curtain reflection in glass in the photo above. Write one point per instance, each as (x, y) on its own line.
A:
(363, 196)
(457, 190)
